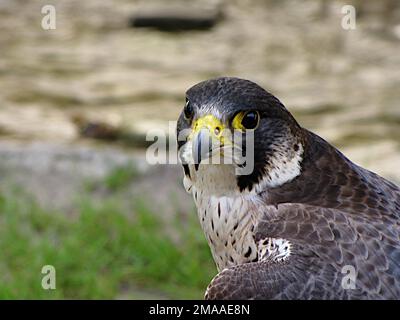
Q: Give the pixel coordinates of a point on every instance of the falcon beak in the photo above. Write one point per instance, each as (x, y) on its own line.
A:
(202, 146)
(206, 136)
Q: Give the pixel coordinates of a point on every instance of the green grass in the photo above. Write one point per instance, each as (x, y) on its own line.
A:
(98, 252)
(119, 177)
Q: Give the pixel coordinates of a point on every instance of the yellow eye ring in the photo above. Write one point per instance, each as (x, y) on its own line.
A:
(246, 120)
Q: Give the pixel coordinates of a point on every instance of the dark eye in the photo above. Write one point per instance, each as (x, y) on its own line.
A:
(250, 120)
(188, 110)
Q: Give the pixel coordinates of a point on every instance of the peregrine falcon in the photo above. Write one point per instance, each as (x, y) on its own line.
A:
(305, 223)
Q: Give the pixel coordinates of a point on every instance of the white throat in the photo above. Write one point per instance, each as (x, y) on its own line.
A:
(228, 216)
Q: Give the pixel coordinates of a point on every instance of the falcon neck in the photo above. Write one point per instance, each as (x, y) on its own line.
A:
(326, 178)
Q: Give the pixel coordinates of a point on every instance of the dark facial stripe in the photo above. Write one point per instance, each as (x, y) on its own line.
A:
(186, 169)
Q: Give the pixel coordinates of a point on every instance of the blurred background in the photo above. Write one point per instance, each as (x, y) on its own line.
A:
(76, 102)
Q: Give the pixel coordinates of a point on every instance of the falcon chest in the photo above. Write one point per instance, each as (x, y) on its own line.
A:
(228, 221)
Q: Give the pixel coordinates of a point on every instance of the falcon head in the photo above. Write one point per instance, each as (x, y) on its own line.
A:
(229, 125)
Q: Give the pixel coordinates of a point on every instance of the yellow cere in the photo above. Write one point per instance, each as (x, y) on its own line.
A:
(211, 123)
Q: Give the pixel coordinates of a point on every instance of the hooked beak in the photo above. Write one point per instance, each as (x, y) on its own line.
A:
(202, 146)
(206, 135)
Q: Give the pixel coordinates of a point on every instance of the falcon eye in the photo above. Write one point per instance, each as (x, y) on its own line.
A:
(188, 110)
(246, 120)
(250, 120)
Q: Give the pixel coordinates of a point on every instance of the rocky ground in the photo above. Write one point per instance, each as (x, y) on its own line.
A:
(343, 84)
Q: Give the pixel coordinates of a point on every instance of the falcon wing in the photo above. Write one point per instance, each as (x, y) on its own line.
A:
(264, 280)
(323, 242)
